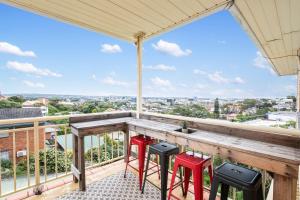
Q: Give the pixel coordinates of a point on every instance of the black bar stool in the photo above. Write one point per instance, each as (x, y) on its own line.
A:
(239, 177)
(164, 150)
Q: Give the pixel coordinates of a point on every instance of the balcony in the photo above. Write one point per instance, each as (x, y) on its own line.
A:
(273, 151)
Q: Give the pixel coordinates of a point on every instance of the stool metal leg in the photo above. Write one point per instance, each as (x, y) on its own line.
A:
(187, 175)
(173, 179)
(224, 191)
(198, 184)
(141, 158)
(214, 189)
(128, 157)
(249, 195)
(164, 166)
(146, 171)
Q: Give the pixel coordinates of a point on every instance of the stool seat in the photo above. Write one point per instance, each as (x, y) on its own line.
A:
(192, 159)
(244, 177)
(164, 148)
(247, 180)
(141, 139)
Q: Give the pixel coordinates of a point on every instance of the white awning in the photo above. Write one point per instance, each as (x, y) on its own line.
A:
(273, 24)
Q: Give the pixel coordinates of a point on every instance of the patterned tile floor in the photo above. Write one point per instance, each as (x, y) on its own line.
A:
(115, 187)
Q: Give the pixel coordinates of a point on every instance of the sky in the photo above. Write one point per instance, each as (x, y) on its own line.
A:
(211, 57)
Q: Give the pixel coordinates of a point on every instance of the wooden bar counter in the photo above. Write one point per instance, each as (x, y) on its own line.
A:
(280, 158)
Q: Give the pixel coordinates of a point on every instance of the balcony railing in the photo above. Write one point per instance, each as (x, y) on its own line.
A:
(48, 144)
(36, 151)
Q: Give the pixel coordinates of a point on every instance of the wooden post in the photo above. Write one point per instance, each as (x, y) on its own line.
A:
(139, 40)
(126, 143)
(75, 155)
(81, 163)
(36, 152)
(285, 188)
(298, 100)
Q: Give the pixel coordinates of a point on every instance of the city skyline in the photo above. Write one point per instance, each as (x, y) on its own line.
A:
(41, 55)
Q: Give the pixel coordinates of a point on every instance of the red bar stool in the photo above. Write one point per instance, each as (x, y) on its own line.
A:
(142, 142)
(195, 163)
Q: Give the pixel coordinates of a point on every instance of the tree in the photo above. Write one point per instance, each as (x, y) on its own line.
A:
(217, 108)
(194, 110)
(17, 99)
(9, 104)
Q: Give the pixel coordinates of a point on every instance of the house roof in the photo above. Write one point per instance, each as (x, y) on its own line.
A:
(272, 24)
(15, 113)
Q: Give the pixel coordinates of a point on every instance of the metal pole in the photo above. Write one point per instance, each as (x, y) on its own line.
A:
(139, 47)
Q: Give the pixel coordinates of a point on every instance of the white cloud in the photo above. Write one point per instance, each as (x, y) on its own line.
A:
(34, 85)
(111, 81)
(222, 42)
(172, 49)
(261, 62)
(94, 77)
(30, 69)
(218, 78)
(161, 67)
(238, 80)
(198, 71)
(111, 48)
(290, 88)
(161, 82)
(12, 49)
(200, 86)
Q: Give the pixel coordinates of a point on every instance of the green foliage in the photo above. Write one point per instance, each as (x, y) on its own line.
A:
(111, 150)
(289, 124)
(194, 110)
(184, 125)
(248, 103)
(243, 118)
(216, 108)
(9, 104)
(17, 99)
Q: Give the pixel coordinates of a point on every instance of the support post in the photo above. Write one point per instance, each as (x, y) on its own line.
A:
(139, 41)
(298, 100)
(36, 152)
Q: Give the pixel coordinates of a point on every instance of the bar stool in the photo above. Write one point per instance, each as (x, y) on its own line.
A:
(195, 163)
(164, 150)
(142, 142)
(236, 176)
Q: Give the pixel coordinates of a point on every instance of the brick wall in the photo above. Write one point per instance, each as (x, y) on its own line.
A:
(6, 144)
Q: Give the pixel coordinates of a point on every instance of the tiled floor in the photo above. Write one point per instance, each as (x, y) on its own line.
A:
(96, 177)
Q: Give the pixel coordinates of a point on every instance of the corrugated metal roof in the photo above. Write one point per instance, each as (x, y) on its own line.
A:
(273, 24)
(15, 113)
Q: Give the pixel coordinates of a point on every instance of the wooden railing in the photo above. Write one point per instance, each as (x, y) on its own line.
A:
(35, 156)
(103, 152)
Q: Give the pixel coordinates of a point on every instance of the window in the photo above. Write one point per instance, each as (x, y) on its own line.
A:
(4, 155)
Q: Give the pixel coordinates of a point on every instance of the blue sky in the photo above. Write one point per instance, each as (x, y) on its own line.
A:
(211, 57)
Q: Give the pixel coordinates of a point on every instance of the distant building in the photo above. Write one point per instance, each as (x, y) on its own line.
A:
(2, 97)
(6, 136)
(282, 116)
(171, 102)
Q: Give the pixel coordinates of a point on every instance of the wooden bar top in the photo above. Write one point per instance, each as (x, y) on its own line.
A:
(273, 151)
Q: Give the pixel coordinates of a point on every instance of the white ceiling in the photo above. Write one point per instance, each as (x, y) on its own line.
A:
(273, 24)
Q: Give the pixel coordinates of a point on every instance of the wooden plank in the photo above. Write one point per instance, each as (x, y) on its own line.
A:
(285, 188)
(75, 172)
(284, 137)
(81, 164)
(75, 155)
(98, 116)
